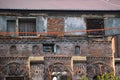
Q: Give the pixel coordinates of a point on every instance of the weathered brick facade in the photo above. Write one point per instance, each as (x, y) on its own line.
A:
(96, 52)
(55, 24)
(60, 46)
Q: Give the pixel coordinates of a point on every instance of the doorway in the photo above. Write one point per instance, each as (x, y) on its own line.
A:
(60, 77)
(59, 71)
(14, 78)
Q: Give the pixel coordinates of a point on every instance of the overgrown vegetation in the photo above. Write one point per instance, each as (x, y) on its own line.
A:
(84, 78)
(106, 76)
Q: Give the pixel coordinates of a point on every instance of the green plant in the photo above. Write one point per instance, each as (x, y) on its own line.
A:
(108, 76)
(84, 78)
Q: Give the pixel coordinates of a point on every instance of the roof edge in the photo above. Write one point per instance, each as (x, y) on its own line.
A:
(53, 11)
(56, 10)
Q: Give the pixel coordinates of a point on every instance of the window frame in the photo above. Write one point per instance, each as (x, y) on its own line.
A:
(49, 45)
(17, 23)
(99, 18)
(7, 27)
(76, 50)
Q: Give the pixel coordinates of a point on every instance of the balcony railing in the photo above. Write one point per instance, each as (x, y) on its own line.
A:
(53, 33)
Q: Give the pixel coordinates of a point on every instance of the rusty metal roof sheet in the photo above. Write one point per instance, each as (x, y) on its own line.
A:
(61, 4)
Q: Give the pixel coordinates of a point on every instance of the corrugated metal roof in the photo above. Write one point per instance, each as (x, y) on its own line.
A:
(61, 4)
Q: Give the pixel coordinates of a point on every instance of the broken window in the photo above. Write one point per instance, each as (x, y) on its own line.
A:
(11, 24)
(48, 47)
(27, 27)
(77, 50)
(95, 24)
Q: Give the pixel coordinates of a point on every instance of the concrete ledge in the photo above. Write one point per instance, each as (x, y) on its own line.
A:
(79, 58)
(74, 58)
(117, 59)
(36, 58)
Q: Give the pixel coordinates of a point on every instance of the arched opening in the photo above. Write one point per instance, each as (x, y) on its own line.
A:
(35, 49)
(77, 50)
(14, 71)
(13, 49)
(98, 69)
(59, 71)
(57, 49)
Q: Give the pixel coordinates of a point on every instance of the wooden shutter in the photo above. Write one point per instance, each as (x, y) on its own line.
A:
(11, 26)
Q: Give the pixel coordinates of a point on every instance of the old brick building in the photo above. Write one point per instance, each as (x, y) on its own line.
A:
(40, 39)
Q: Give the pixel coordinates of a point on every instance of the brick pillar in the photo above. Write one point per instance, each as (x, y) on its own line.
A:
(117, 46)
(114, 47)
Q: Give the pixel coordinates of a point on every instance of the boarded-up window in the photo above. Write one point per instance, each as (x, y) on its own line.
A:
(11, 24)
(27, 27)
(75, 24)
(93, 24)
(55, 24)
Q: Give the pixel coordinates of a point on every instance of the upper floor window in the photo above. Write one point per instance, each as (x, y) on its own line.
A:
(11, 24)
(27, 26)
(93, 24)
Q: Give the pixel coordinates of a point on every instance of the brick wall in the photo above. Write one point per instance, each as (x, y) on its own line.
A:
(55, 24)
(87, 48)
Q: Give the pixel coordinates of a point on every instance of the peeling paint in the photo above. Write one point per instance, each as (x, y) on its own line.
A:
(112, 23)
(2, 23)
(75, 23)
(41, 24)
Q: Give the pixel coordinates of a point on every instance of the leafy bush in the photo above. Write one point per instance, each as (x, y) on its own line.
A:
(84, 78)
(108, 76)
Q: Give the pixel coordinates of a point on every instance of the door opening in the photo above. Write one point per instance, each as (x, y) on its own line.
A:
(59, 71)
(14, 78)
